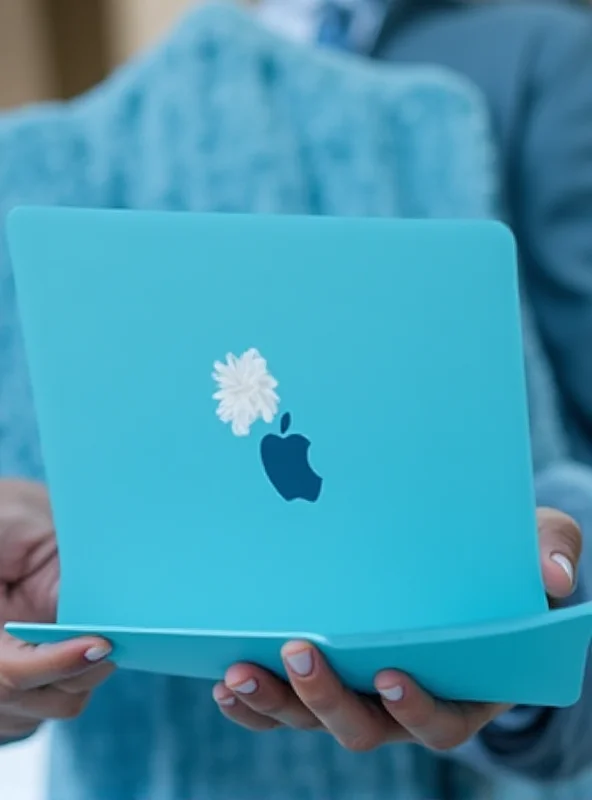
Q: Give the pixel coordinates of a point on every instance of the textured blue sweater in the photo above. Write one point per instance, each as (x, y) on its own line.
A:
(225, 117)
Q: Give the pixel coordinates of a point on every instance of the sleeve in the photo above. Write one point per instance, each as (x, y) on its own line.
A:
(551, 199)
(45, 159)
(547, 744)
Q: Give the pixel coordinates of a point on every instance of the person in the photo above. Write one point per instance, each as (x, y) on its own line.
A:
(136, 736)
(533, 65)
(532, 61)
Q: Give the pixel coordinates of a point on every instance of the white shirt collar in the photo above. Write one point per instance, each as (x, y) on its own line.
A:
(299, 20)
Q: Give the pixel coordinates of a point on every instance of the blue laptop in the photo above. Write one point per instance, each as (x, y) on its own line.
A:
(260, 428)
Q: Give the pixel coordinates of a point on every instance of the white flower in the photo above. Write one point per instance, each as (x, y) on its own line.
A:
(246, 391)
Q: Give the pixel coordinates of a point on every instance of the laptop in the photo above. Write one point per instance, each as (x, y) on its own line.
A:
(258, 428)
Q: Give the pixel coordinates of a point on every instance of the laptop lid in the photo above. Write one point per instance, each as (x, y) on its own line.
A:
(280, 423)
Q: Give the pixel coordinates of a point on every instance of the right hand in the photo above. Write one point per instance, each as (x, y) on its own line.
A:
(47, 681)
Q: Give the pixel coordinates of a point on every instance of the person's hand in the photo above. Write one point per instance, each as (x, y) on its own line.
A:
(401, 711)
(48, 681)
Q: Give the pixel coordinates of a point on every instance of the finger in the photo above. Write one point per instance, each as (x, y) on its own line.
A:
(47, 703)
(560, 547)
(18, 728)
(434, 723)
(23, 666)
(87, 681)
(269, 696)
(37, 595)
(357, 723)
(239, 713)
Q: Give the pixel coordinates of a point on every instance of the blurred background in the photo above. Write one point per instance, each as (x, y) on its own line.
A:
(58, 48)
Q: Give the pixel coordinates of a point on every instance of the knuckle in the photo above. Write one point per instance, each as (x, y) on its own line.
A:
(72, 706)
(10, 684)
(7, 694)
(572, 537)
(449, 739)
(9, 697)
(10, 728)
(417, 718)
(307, 725)
(322, 701)
(445, 743)
(563, 530)
(322, 704)
(360, 743)
(270, 707)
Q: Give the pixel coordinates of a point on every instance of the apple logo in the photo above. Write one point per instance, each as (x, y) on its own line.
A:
(285, 460)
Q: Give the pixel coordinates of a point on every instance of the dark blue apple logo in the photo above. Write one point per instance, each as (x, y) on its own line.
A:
(285, 460)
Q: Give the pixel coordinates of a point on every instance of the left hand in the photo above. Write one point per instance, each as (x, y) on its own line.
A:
(401, 711)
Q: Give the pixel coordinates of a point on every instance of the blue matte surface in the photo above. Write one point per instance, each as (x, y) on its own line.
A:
(533, 662)
(396, 345)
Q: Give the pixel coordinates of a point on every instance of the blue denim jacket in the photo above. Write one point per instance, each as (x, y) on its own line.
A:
(225, 117)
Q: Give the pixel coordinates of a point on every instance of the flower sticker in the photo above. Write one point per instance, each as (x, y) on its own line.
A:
(246, 391)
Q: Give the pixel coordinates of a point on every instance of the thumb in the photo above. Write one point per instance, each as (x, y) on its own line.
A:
(25, 666)
(560, 542)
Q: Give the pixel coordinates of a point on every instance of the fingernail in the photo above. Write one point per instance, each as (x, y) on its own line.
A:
(248, 687)
(393, 694)
(222, 699)
(301, 662)
(94, 654)
(565, 565)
